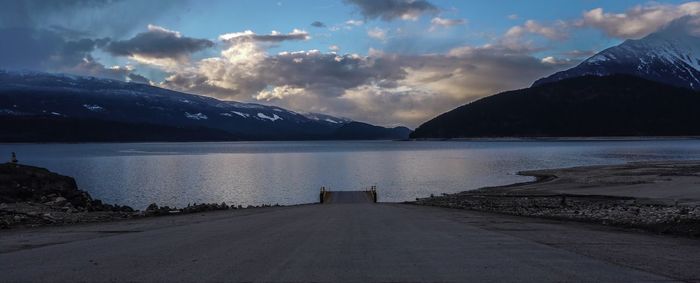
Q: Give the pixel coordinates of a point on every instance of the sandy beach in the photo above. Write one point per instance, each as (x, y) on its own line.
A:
(660, 197)
(669, 182)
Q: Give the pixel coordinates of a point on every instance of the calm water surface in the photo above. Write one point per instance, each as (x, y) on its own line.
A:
(137, 174)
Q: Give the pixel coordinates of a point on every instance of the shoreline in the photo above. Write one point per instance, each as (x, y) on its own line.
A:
(618, 195)
(561, 139)
(654, 196)
(36, 197)
(474, 139)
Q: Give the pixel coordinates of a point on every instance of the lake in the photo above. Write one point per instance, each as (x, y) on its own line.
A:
(253, 173)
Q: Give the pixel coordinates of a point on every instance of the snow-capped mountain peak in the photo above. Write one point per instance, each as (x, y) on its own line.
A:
(670, 55)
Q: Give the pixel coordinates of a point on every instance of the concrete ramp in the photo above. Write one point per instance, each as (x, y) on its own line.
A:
(348, 197)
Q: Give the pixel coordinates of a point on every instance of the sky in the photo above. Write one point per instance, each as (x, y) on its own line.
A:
(386, 62)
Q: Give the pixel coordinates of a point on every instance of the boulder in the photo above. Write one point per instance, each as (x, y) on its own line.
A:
(22, 183)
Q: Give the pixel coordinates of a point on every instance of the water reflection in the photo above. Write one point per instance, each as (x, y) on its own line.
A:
(291, 172)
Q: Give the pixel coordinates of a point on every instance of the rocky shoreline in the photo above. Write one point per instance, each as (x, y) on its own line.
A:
(549, 197)
(32, 196)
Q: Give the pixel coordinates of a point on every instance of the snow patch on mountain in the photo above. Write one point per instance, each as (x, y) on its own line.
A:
(324, 118)
(244, 115)
(93, 107)
(273, 118)
(246, 105)
(10, 112)
(196, 116)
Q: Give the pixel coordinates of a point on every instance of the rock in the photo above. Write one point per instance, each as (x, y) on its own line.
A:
(610, 211)
(49, 217)
(125, 208)
(22, 183)
(58, 201)
(69, 209)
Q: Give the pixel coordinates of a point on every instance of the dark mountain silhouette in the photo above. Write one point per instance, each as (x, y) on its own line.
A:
(50, 107)
(617, 105)
(358, 130)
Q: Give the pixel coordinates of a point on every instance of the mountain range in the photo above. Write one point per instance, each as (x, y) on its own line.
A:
(644, 87)
(45, 107)
(647, 86)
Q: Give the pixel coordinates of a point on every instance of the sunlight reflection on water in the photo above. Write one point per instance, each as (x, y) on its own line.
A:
(245, 173)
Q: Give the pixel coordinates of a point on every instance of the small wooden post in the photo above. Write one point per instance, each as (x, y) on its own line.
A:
(322, 194)
(374, 193)
(13, 159)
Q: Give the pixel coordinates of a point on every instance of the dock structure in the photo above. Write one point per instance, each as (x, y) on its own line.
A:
(364, 196)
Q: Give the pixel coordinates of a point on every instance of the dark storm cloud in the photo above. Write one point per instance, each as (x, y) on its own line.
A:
(105, 18)
(53, 51)
(29, 13)
(137, 78)
(25, 48)
(61, 35)
(328, 74)
(318, 24)
(159, 43)
(388, 10)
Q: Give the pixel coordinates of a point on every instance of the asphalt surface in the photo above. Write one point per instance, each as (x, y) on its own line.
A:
(345, 242)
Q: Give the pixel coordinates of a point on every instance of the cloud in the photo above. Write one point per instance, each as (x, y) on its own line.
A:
(274, 36)
(556, 32)
(61, 36)
(244, 70)
(555, 61)
(354, 22)
(377, 33)
(382, 88)
(43, 49)
(513, 17)
(388, 10)
(108, 18)
(334, 48)
(438, 22)
(348, 25)
(279, 92)
(30, 13)
(638, 21)
(158, 43)
(579, 53)
(53, 50)
(90, 67)
(318, 24)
